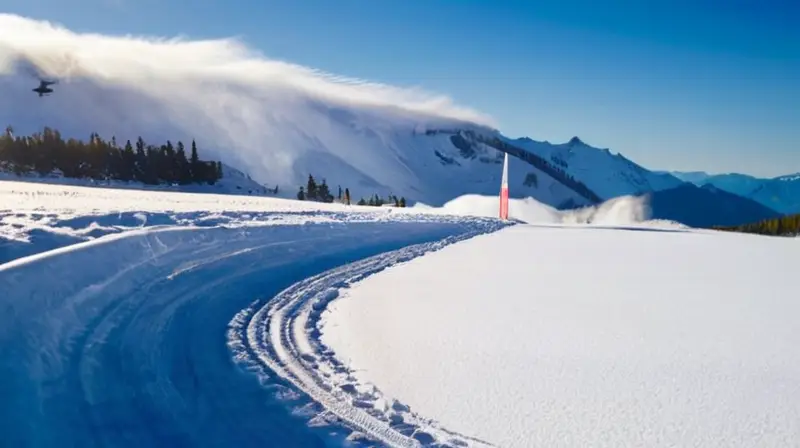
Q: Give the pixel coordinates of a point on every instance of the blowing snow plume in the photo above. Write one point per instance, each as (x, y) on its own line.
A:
(276, 120)
(625, 210)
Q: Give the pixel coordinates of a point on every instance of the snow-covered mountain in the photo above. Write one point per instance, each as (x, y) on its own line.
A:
(780, 193)
(608, 175)
(276, 121)
(706, 206)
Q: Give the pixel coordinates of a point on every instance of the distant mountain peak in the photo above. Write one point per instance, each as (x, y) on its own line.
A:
(575, 141)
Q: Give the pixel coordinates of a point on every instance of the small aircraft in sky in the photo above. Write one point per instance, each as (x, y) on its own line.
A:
(43, 88)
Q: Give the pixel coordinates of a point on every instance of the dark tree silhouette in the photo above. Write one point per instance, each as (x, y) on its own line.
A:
(48, 153)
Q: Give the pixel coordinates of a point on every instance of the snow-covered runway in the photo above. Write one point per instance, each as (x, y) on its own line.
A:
(121, 340)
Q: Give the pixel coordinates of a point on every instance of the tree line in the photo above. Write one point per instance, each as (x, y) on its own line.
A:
(784, 226)
(377, 201)
(320, 192)
(47, 151)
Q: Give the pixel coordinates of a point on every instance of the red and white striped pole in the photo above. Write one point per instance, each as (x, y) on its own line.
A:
(504, 190)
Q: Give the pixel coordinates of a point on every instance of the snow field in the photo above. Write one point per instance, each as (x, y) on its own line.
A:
(541, 336)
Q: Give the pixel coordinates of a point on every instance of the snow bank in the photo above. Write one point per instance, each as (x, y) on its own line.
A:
(539, 336)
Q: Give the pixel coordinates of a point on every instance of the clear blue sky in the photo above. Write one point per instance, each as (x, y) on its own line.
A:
(673, 84)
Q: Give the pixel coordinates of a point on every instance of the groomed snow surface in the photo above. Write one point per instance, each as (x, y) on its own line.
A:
(580, 336)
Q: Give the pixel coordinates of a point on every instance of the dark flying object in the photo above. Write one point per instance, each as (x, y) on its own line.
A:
(43, 88)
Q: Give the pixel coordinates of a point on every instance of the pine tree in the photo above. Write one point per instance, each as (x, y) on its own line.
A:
(362, 202)
(194, 163)
(347, 196)
(311, 188)
(402, 202)
(141, 162)
(184, 172)
(323, 193)
(301, 194)
(128, 162)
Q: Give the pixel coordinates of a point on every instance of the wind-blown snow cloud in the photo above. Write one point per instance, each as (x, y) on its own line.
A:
(623, 210)
(251, 111)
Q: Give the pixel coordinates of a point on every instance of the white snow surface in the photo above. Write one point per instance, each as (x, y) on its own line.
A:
(584, 336)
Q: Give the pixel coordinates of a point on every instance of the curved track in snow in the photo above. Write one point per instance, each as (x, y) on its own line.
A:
(282, 336)
(121, 341)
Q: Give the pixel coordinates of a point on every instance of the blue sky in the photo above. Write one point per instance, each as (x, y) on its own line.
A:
(672, 84)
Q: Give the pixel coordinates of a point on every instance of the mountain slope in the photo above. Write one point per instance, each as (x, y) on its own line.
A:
(694, 177)
(706, 206)
(276, 121)
(780, 193)
(609, 175)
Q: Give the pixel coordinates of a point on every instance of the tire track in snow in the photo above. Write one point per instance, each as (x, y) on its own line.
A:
(280, 336)
(102, 344)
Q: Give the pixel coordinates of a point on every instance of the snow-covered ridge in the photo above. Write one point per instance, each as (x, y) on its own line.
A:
(608, 175)
(781, 193)
(789, 177)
